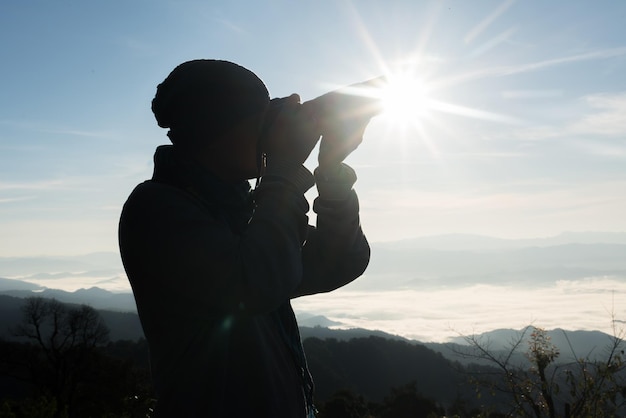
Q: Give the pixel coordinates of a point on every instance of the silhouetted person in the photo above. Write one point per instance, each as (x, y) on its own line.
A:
(213, 265)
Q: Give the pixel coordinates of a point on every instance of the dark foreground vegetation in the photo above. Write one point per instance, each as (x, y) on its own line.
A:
(60, 362)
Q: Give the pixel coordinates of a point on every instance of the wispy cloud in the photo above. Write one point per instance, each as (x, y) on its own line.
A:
(15, 199)
(81, 133)
(507, 70)
(602, 115)
(607, 118)
(482, 155)
(531, 94)
(493, 42)
(70, 183)
(41, 127)
(230, 25)
(539, 65)
(470, 112)
(487, 21)
(604, 150)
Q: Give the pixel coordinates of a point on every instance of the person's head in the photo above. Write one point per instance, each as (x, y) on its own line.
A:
(214, 111)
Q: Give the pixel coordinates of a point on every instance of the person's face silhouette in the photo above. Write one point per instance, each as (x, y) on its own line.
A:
(233, 156)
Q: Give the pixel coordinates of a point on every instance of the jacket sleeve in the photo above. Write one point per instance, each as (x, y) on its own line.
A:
(336, 251)
(170, 243)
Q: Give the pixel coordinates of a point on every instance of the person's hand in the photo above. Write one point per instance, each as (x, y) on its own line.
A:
(343, 116)
(339, 140)
(293, 132)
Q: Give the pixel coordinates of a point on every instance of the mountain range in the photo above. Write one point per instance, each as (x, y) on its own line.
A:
(444, 259)
(420, 263)
(93, 296)
(467, 259)
(126, 326)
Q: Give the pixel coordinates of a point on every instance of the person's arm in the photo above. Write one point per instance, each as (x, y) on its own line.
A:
(336, 251)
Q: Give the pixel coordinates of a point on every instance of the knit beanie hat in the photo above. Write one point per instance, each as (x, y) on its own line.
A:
(207, 96)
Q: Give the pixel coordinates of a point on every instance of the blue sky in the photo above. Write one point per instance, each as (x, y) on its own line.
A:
(526, 135)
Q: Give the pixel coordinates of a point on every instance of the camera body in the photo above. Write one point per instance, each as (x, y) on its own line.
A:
(343, 109)
(348, 107)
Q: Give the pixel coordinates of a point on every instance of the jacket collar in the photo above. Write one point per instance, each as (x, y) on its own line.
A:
(234, 201)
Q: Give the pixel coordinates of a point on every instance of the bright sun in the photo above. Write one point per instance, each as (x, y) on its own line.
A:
(405, 99)
(402, 99)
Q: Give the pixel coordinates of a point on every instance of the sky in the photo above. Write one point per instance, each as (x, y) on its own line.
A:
(521, 130)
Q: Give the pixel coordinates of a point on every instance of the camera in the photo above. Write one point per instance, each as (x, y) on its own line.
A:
(349, 106)
(342, 109)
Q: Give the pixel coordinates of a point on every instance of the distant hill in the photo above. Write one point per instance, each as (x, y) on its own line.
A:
(126, 326)
(453, 259)
(123, 325)
(399, 265)
(370, 366)
(584, 342)
(94, 296)
(324, 333)
(306, 319)
(572, 345)
(18, 285)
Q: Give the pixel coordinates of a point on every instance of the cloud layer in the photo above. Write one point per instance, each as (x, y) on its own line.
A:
(438, 315)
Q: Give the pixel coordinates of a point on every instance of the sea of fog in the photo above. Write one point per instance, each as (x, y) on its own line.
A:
(436, 315)
(439, 313)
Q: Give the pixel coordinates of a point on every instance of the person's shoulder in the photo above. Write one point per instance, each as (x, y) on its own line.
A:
(153, 195)
(151, 189)
(156, 187)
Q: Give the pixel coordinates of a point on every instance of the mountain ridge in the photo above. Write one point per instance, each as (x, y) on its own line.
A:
(459, 241)
(578, 266)
(126, 326)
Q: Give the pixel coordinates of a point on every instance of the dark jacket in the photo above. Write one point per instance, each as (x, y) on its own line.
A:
(212, 273)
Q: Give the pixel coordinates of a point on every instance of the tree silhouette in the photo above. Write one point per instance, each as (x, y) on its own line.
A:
(63, 352)
(344, 404)
(546, 388)
(406, 402)
(370, 366)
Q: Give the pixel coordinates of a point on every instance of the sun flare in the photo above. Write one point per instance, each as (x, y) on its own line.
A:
(405, 99)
